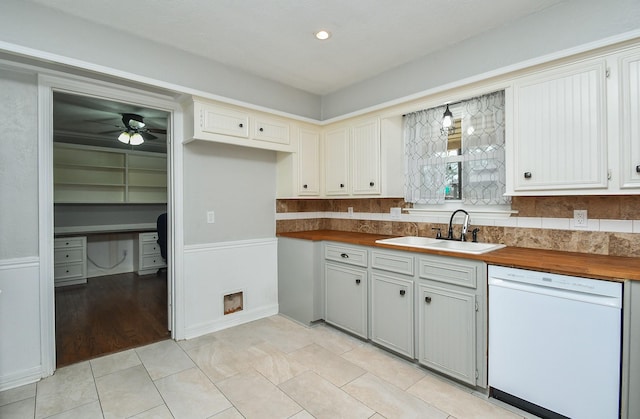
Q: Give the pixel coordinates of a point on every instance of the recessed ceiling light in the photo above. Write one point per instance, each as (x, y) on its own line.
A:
(322, 35)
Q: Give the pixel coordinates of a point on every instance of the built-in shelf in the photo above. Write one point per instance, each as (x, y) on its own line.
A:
(86, 174)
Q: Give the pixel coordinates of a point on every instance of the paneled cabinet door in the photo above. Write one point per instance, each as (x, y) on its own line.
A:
(447, 332)
(346, 298)
(392, 313)
(308, 162)
(630, 120)
(365, 160)
(336, 162)
(221, 120)
(559, 127)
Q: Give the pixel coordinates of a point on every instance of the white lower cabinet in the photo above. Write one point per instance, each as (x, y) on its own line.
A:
(425, 307)
(148, 258)
(452, 317)
(70, 261)
(346, 298)
(346, 288)
(447, 332)
(392, 313)
(300, 288)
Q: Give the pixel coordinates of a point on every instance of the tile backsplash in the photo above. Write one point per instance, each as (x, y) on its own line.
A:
(541, 222)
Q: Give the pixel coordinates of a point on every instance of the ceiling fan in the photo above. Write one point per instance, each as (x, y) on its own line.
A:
(136, 130)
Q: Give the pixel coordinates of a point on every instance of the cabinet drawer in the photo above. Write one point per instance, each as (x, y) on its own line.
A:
(151, 262)
(346, 254)
(458, 273)
(68, 242)
(392, 262)
(68, 255)
(150, 249)
(68, 271)
(149, 237)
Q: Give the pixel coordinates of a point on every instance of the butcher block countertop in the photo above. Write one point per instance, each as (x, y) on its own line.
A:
(612, 268)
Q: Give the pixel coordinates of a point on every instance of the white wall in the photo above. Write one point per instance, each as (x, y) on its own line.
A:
(20, 359)
(238, 252)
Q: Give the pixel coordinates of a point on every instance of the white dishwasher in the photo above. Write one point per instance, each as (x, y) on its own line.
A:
(555, 343)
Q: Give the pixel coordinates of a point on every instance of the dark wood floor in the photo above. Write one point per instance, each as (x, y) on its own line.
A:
(109, 314)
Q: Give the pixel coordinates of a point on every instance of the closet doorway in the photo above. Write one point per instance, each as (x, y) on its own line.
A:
(110, 190)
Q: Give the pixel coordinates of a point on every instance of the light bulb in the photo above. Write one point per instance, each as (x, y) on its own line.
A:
(136, 139)
(124, 137)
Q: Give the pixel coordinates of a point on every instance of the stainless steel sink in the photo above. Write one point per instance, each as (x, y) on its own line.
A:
(445, 245)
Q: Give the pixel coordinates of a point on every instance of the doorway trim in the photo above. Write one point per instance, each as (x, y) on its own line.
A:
(47, 84)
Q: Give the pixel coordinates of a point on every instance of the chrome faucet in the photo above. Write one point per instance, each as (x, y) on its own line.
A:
(465, 225)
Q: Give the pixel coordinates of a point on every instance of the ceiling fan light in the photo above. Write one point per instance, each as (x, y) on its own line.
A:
(124, 137)
(136, 139)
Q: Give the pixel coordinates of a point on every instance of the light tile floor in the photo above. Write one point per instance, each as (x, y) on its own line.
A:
(269, 368)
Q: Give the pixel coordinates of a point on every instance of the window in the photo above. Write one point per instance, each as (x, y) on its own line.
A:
(465, 165)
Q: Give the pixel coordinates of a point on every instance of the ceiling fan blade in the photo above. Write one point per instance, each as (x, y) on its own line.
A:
(147, 136)
(157, 130)
(113, 131)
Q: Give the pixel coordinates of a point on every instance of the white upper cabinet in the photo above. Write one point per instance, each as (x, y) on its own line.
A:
(225, 121)
(336, 161)
(365, 160)
(212, 121)
(308, 182)
(560, 130)
(271, 130)
(630, 119)
(352, 159)
(575, 128)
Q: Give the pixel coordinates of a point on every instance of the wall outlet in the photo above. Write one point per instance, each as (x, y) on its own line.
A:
(396, 212)
(350, 212)
(211, 218)
(580, 218)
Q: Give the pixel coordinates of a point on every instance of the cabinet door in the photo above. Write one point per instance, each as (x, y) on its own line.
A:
(365, 158)
(308, 163)
(392, 313)
(336, 162)
(271, 130)
(560, 129)
(225, 121)
(630, 120)
(346, 298)
(447, 332)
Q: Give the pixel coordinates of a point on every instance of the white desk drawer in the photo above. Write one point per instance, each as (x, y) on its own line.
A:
(68, 255)
(150, 249)
(67, 242)
(151, 262)
(149, 237)
(68, 271)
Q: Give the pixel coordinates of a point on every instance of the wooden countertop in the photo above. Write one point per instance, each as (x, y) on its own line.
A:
(612, 268)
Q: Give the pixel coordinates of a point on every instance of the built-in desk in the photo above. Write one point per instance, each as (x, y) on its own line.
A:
(144, 259)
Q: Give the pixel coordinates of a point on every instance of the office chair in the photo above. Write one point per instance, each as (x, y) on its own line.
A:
(161, 227)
